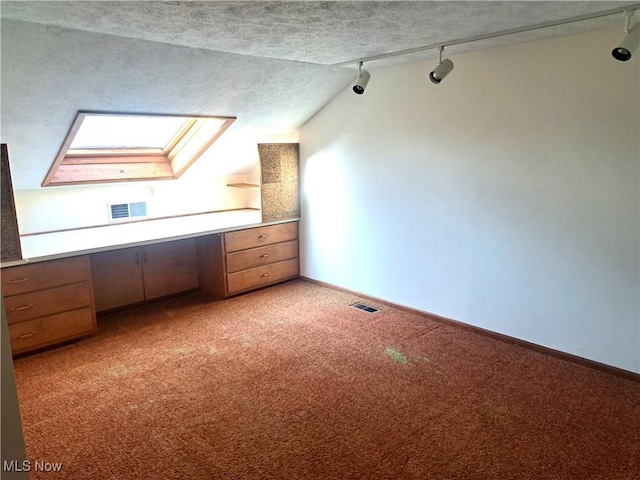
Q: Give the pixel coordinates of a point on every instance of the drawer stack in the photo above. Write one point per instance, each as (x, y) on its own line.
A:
(48, 302)
(240, 261)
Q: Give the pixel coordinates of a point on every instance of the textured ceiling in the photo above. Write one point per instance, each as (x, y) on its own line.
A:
(50, 73)
(324, 33)
(272, 65)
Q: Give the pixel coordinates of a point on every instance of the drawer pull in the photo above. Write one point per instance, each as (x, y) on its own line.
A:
(264, 255)
(25, 335)
(22, 307)
(263, 236)
(18, 280)
(265, 274)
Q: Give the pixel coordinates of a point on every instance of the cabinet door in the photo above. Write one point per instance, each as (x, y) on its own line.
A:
(117, 278)
(170, 267)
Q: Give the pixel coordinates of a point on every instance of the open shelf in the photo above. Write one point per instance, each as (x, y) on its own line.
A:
(247, 186)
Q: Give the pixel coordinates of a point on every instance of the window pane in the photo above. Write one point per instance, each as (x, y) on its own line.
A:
(124, 131)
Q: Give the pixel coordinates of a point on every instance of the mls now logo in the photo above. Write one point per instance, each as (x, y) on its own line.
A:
(27, 466)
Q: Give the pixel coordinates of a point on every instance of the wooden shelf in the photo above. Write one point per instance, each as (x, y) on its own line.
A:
(247, 186)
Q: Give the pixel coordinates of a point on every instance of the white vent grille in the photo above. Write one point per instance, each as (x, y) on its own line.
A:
(122, 211)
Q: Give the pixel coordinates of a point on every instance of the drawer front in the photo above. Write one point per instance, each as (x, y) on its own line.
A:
(257, 257)
(258, 237)
(46, 302)
(37, 276)
(258, 277)
(52, 329)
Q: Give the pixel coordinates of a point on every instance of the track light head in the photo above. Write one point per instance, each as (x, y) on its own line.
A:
(361, 80)
(627, 45)
(442, 70)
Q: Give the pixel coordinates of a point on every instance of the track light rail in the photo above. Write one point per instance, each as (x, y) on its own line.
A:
(502, 33)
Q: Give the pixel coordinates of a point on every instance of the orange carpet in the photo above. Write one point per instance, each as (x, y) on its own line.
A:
(290, 382)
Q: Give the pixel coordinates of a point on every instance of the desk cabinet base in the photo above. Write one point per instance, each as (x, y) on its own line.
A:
(48, 302)
(237, 262)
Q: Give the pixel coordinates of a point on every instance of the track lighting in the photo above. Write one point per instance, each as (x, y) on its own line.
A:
(361, 81)
(442, 70)
(629, 42)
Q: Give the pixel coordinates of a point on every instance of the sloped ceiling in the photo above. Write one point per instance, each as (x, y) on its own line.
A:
(324, 33)
(271, 64)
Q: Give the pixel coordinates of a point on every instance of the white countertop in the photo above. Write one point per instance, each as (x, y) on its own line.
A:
(48, 246)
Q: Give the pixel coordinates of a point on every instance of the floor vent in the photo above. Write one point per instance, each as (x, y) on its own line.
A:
(364, 307)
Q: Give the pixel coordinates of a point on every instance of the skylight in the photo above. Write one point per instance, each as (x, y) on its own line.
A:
(122, 131)
(117, 147)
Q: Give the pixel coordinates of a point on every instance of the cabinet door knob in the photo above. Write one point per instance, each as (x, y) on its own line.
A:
(22, 307)
(18, 280)
(264, 255)
(263, 236)
(265, 274)
(25, 335)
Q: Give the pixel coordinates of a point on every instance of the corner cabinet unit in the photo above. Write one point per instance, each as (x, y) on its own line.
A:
(48, 302)
(236, 262)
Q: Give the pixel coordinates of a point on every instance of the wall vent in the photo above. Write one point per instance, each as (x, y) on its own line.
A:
(122, 211)
(364, 307)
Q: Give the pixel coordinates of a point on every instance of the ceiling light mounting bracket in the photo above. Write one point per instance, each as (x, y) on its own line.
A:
(628, 15)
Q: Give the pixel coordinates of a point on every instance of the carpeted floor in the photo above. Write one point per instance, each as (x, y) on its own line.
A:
(291, 382)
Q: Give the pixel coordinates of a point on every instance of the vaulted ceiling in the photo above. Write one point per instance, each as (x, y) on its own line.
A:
(272, 65)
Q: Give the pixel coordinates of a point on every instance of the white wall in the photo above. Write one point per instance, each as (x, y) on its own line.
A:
(506, 197)
(201, 188)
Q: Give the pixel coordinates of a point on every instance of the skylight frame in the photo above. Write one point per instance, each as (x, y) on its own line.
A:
(106, 165)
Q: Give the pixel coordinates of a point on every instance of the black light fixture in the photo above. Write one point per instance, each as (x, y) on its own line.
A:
(442, 70)
(628, 44)
(361, 81)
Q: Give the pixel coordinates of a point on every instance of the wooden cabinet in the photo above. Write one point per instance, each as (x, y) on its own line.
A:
(132, 275)
(117, 278)
(48, 302)
(243, 260)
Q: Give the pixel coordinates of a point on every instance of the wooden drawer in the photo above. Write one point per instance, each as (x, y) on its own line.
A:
(257, 277)
(52, 329)
(46, 302)
(257, 257)
(258, 237)
(37, 276)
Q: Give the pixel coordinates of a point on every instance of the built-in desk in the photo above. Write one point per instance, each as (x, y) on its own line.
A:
(53, 294)
(49, 246)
